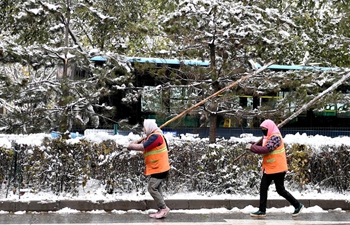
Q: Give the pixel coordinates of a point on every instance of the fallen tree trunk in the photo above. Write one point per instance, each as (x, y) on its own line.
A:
(306, 106)
(216, 94)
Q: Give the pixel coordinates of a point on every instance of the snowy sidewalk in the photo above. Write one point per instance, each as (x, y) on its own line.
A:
(184, 204)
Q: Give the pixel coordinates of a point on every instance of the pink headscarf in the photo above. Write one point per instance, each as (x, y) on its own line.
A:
(271, 126)
(150, 126)
(271, 129)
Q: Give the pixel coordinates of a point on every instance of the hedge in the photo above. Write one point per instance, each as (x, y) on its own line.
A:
(196, 166)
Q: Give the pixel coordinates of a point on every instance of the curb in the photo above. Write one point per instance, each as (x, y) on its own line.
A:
(83, 205)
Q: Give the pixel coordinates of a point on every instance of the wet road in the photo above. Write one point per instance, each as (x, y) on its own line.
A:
(175, 218)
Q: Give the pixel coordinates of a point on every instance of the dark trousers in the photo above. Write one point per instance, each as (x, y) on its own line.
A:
(155, 188)
(156, 191)
(278, 179)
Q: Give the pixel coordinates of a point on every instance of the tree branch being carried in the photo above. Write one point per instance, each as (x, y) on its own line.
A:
(306, 106)
(216, 94)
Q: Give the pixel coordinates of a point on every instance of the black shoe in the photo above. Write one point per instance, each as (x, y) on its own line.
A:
(298, 210)
(258, 214)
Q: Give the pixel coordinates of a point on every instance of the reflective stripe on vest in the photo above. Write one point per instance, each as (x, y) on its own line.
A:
(155, 151)
(275, 161)
(156, 159)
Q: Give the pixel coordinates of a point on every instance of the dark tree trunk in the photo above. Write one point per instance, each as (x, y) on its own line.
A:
(213, 107)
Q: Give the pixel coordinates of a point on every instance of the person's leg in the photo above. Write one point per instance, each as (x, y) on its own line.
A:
(279, 183)
(154, 188)
(264, 187)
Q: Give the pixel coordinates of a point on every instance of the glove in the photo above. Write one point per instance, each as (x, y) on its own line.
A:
(248, 146)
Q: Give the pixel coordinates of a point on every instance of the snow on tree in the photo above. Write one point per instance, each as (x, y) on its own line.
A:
(57, 34)
(27, 98)
(230, 33)
(66, 33)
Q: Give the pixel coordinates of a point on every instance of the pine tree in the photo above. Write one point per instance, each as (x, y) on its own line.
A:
(51, 35)
(63, 35)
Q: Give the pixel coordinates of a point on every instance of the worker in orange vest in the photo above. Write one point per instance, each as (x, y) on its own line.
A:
(155, 153)
(274, 166)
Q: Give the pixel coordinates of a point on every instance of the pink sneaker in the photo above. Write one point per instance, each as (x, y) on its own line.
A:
(153, 215)
(162, 213)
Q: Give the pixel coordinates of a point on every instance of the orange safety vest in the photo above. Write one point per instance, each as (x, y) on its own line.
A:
(275, 161)
(156, 159)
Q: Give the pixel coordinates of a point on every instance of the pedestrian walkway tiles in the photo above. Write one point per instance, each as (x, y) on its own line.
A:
(284, 222)
(228, 222)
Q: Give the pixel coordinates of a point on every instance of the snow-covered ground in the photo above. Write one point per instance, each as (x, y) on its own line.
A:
(95, 192)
